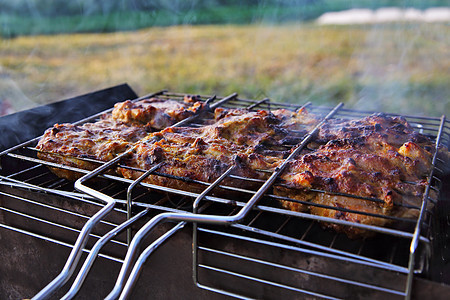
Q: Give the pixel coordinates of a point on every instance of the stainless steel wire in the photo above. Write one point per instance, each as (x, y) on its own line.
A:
(132, 265)
(131, 256)
(416, 237)
(76, 252)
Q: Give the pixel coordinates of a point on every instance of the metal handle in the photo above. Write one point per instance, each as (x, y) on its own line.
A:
(82, 274)
(76, 252)
(205, 219)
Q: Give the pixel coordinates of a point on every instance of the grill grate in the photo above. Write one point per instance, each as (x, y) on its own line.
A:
(264, 224)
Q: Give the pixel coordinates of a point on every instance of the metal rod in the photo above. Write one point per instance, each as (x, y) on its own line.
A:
(82, 274)
(147, 252)
(207, 108)
(130, 191)
(45, 221)
(76, 252)
(265, 100)
(55, 241)
(334, 253)
(303, 291)
(311, 273)
(195, 225)
(304, 106)
(208, 219)
(374, 228)
(416, 236)
(26, 143)
(342, 208)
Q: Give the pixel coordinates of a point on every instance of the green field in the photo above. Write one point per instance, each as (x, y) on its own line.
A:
(397, 67)
(36, 17)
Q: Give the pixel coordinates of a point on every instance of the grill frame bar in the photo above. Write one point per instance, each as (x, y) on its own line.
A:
(110, 202)
(123, 287)
(415, 240)
(262, 102)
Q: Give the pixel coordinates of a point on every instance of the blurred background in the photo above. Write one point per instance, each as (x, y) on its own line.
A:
(390, 56)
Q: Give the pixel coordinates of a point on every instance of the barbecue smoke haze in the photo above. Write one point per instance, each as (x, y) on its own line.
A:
(385, 76)
(388, 78)
(374, 66)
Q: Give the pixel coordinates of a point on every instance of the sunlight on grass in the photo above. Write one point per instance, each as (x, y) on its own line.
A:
(396, 67)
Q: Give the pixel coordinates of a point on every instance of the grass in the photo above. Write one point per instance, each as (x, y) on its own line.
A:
(397, 67)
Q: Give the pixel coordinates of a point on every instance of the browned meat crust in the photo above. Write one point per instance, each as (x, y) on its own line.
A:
(378, 159)
(249, 140)
(102, 140)
(154, 113)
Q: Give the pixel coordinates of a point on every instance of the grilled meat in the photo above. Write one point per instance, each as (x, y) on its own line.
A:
(378, 158)
(154, 113)
(80, 146)
(248, 140)
(368, 171)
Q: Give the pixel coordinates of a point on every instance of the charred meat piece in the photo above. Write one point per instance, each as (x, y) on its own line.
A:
(154, 113)
(368, 171)
(392, 131)
(264, 131)
(378, 158)
(71, 145)
(238, 138)
(80, 146)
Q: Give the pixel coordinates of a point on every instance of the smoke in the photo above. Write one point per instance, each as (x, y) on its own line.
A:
(12, 97)
(383, 79)
(400, 66)
(392, 80)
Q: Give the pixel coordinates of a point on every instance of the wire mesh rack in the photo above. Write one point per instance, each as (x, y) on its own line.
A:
(245, 244)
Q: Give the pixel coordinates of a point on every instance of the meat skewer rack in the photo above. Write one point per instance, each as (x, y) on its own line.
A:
(244, 247)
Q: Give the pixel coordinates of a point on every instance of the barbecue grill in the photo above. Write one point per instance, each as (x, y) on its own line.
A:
(108, 236)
